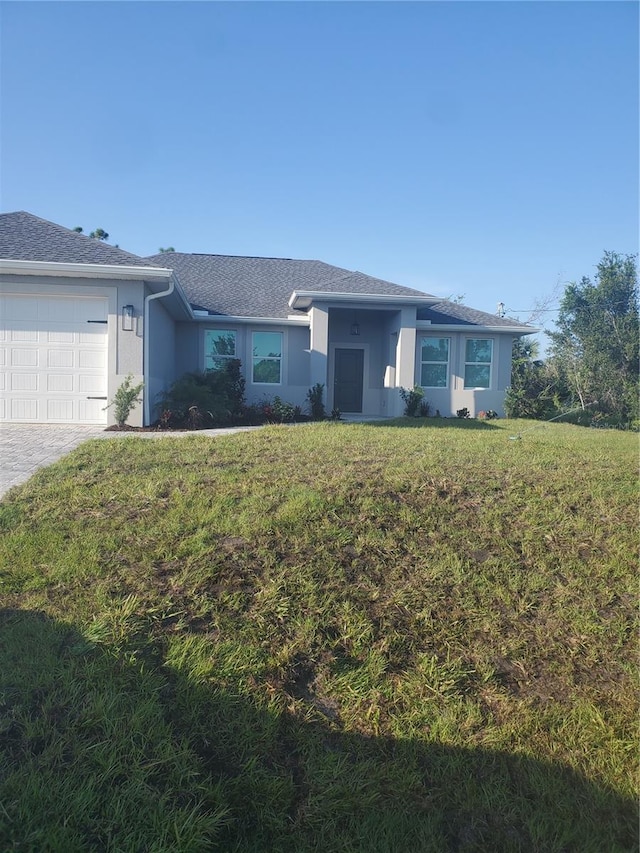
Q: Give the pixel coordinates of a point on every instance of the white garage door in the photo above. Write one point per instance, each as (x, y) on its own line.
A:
(53, 359)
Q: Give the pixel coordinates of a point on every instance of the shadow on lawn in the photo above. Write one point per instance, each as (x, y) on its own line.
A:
(111, 751)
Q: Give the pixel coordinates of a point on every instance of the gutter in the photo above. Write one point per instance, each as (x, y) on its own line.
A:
(116, 271)
(232, 319)
(146, 337)
(303, 299)
(427, 325)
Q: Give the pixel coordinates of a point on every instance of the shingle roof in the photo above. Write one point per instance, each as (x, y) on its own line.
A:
(24, 237)
(451, 313)
(261, 287)
(222, 284)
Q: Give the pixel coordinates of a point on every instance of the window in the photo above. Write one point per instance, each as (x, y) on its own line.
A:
(477, 363)
(434, 371)
(219, 347)
(267, 358)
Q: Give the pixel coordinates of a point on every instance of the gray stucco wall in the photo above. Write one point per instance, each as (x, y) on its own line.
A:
(190, 356)
(162, 353)
(448, 400)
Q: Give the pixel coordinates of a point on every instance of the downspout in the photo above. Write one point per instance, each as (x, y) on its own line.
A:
(145, 357)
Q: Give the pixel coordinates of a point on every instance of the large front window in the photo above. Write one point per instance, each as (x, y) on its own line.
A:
(219, 347)
(267, 358)
(477, 363)
(434, 369)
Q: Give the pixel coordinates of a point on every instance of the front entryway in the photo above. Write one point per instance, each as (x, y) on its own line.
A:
(348, 379)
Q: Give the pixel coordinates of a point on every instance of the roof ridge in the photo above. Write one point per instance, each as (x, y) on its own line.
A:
(69, 231)
(244, 257)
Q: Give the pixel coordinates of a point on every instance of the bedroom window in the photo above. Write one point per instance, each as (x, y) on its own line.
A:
(434, 368)
(267, 358)
(477, 363)
(219, 347)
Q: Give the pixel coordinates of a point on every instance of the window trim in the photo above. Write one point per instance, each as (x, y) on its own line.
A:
(488, 364)
(446, 363)
(279, 359)
(211, 356)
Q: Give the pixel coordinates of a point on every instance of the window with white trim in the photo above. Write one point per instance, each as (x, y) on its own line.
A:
(477, 362)
(266, 348)
(434, 362)
(219, 347)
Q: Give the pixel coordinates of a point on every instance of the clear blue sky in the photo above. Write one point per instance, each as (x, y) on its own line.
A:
(481, 148)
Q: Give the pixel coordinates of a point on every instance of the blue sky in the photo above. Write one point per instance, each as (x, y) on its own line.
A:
(481, 148)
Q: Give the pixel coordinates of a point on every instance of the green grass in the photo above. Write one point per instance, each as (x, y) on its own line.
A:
(412, 636)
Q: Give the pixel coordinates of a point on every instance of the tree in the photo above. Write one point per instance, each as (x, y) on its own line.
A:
(536, 389)
(168, 249)
(98, 234)
(596, 347)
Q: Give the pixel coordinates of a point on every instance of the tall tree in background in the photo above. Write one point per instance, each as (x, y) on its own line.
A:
(596, 345)
(536, 389)
(98, 234)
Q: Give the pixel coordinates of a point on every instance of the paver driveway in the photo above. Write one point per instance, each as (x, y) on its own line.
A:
(26, 447)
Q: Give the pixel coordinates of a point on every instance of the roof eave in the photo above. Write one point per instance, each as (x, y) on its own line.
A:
(477, 327)
(241, 320)
(20, 267)
(302, 300)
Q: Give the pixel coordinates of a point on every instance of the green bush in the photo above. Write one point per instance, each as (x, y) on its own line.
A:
(412, 400)
(316, 402)
(204, 399)
(125, 399)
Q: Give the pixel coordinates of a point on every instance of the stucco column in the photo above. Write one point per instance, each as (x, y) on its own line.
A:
(405, 354)
(319, 336)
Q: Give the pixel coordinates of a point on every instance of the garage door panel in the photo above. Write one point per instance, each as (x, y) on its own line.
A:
(24, 357)
(88, 358)
(24, 335)
(23, 409)
(92, 384)
(24, 382)
(60, 382)
(56, 359)
(92, 411)
(60, 337)
(60, 358)
(60, 410)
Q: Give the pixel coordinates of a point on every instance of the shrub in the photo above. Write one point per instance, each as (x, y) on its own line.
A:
(463, 413)
(205, 398)
(489, 415)
(283, 412)
(316, 402)
(125, 399)
(425, 409)
(412, 399)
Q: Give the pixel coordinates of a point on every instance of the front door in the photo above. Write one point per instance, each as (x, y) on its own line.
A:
(347, 380)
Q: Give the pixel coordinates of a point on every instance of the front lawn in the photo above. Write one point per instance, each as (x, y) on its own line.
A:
(327, 637)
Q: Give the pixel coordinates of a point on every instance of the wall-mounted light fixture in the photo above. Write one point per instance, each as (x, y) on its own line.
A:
(127, 318)
(355, 327)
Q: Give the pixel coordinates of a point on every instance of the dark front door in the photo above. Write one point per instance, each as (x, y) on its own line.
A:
(347, 380)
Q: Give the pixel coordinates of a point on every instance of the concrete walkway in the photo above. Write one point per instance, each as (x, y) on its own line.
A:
(26, 447)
